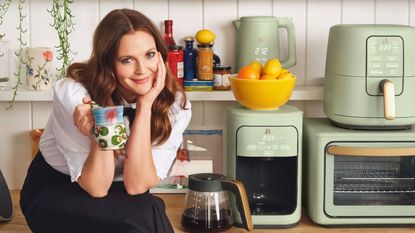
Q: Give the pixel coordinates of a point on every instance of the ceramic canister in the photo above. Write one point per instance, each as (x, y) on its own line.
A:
(40, 70)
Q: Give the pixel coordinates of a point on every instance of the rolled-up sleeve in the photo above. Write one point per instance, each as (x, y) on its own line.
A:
(164, 154)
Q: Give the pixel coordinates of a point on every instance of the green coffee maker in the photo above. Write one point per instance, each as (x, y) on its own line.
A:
(264, 153)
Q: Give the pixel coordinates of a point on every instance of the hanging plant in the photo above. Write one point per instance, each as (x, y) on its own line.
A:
(64, 26)
(19, 55)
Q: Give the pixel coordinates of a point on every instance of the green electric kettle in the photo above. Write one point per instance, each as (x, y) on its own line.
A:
(258, 39)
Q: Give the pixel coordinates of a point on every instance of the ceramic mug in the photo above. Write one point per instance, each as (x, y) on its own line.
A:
(109, 130)
(39, 64)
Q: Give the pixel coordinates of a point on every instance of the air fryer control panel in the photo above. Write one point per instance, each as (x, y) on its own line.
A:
(267, 141)
(384, 56)
(384, 60)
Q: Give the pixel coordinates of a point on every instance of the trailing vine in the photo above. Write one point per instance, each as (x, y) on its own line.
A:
(19, 55)
(63, 24)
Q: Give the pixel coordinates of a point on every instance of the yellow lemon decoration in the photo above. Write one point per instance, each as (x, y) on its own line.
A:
(205, 36)
(272, 67)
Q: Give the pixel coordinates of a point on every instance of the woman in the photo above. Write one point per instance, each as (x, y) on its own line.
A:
(74, 186)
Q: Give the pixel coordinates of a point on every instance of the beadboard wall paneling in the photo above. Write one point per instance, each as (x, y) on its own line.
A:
(86, 18)
(250, 8)
(218, 15)
(298, 12)
(321, 15)
(15, 142)
(105, 6)
(392, 12)
(40, 114)
(412, 12)
(187, 18)
(357, 11)
(157, 11)
(312, 20)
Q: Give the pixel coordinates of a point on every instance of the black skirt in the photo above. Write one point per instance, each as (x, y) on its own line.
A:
(51, 203)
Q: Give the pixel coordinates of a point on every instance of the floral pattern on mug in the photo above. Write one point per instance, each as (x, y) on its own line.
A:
(111, 116)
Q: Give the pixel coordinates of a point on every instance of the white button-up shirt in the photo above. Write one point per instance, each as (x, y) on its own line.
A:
(66, 149)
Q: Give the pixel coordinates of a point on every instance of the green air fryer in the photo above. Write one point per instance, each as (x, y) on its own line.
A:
(370, 76)
(264, 153)
(258, 39)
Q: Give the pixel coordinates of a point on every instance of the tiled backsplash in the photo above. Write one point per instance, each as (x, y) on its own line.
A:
(312, 20)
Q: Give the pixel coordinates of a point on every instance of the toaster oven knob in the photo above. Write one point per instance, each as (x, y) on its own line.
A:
(388, 89)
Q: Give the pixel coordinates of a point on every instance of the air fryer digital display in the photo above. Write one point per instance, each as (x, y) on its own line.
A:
(384, 56)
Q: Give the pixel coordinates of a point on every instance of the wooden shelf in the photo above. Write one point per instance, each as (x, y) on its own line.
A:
(300, 93)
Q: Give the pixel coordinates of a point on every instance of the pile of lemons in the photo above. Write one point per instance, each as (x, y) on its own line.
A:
(272, 70)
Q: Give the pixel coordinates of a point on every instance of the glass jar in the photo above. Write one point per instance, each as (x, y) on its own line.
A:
(221, 76)
(205, 62)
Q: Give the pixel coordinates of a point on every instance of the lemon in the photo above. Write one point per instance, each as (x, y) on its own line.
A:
(257, 65)
(205, 36)
(286, 75)
(272, 67)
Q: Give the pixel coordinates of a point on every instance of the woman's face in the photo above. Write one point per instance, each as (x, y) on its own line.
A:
(136, 64)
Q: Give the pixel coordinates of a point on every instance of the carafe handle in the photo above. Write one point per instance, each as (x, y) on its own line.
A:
(291, 60)
(237, 188)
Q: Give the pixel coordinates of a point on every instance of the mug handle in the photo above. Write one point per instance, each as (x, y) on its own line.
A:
(286, 23)
(237, 188)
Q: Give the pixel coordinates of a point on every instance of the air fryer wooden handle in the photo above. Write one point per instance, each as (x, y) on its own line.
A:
(388, 90)
(367, 151)
(242, 203)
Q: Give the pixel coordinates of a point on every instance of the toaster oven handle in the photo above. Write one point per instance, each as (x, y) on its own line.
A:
(388, 89)
(367, 151)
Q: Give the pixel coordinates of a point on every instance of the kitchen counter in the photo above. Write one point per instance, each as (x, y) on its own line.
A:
(174, 205)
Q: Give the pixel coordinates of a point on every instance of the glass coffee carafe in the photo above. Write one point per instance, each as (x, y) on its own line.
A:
(207, 207)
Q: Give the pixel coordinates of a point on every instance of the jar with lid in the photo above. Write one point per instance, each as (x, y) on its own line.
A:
(205, 62)
(175, 59)
(221, 76)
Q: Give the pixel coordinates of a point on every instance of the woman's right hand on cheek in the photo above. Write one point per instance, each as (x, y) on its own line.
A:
(83, 117)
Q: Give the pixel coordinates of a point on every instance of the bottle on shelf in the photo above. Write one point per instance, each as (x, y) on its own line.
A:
(168, 33)
(190, 54)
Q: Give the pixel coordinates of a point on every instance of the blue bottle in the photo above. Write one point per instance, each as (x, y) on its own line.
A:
(189, 55)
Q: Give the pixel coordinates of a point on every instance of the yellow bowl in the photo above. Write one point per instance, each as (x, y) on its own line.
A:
(262, 94)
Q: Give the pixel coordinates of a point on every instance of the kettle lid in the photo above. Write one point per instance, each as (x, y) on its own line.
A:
(258, 19)
(206, 182)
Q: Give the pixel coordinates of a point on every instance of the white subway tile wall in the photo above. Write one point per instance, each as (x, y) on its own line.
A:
(312, 20)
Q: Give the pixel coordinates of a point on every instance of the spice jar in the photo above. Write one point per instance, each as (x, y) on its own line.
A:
(221, 76)
(205, 62)
(175, 59)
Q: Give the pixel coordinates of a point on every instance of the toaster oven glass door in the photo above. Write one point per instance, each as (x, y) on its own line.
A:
(370, 179)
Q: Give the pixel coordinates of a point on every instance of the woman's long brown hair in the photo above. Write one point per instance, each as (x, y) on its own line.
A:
(98, 76)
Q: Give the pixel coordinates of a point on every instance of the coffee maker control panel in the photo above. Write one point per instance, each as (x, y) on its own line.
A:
(267, 141)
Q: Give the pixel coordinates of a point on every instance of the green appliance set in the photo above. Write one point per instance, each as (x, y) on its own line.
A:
(258, 38)
(358, 177)
(264, 153)
(370, 76)
(363, 172)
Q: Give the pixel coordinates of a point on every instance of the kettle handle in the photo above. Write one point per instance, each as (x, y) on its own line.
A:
(236, 24)
(237, 188)
(286, 23)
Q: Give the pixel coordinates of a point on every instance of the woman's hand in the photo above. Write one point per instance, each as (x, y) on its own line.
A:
(83, 118)
(158, 84)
